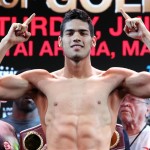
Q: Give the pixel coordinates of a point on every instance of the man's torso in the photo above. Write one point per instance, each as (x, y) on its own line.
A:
(79, 113)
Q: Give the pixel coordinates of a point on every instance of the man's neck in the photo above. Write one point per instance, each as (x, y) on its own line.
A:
(81, 69)
(133, 129)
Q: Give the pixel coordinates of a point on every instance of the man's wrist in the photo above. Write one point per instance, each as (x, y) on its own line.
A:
(5, 43)
(146, 38)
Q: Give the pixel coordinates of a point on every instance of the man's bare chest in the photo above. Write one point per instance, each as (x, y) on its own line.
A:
(76, 95)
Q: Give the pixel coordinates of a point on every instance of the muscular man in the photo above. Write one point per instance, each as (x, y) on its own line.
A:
(78, 104)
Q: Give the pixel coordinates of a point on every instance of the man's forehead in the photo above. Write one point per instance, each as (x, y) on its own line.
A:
(76, 24)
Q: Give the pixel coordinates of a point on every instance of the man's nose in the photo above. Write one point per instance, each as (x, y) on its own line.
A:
(125, 102)
(76, 37)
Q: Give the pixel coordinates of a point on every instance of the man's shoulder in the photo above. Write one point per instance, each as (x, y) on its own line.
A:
(146, 133)
(36, 73)
(119, 71)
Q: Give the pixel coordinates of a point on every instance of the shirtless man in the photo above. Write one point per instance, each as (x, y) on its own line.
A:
(78, 104)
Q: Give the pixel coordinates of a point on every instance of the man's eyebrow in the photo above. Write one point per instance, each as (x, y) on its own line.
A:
(69, 30)
(79, 30)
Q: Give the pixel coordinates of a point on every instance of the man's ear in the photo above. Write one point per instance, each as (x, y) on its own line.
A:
(94, 41)
(7, 145)
(59, 41)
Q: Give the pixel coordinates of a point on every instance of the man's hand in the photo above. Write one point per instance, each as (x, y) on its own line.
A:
(134, 27)
(19, 32)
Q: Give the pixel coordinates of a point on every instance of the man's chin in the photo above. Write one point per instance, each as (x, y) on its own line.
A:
(126, 119)
(76, 59)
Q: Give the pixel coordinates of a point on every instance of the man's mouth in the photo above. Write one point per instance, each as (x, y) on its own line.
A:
(124, 110)
(76, 46)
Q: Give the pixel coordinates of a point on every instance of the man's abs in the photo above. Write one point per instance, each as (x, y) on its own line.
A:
(78, 133)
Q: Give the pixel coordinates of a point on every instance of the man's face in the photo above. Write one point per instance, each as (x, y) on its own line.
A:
(76, 40)
(132, 109)
(25, 103)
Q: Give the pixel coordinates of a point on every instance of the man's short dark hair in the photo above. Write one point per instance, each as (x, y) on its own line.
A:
(77, 14)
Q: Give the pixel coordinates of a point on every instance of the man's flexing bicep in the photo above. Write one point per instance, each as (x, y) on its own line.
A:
(36, 76)
(13, 87)
(138, 84)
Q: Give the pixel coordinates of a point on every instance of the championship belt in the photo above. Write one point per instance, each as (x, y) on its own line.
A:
(32, 138)
(117, 140)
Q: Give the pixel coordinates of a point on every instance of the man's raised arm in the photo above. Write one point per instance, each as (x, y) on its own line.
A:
(136, 29)
(138, 84)
(17, 33)
(13, 87)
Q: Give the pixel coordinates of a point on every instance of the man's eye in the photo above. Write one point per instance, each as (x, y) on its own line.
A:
(83, 33)
(132, 99)
(69, 33)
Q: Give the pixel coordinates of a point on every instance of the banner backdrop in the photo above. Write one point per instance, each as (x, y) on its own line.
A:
(113, 49)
